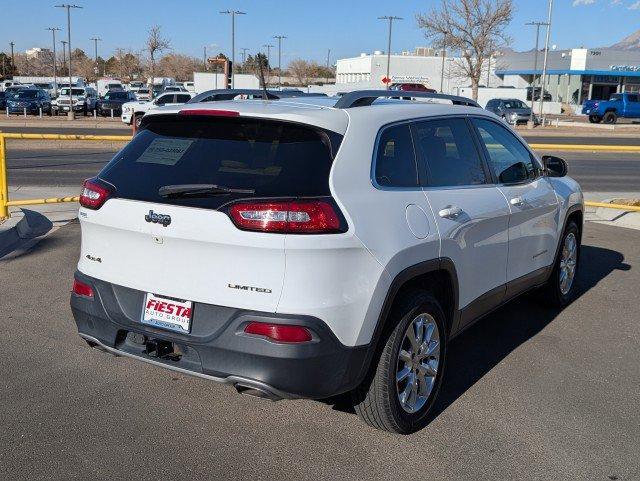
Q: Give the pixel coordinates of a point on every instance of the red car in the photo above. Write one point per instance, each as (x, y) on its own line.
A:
(408, 87)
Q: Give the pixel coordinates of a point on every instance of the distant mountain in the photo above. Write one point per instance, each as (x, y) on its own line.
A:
(632, 42)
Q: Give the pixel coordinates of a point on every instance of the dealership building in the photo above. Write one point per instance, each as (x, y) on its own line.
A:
(574, 75)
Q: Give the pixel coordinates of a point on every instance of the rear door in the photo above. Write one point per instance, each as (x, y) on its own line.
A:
(471, 214)
(533, 223)
(187, 247)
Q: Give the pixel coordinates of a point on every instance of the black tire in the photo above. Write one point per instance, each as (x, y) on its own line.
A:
(551, 293)
(376, 399)
(595, 119)
(610, 118)
(138, 120)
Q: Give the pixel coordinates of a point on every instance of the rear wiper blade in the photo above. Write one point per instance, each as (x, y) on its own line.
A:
(193, 190)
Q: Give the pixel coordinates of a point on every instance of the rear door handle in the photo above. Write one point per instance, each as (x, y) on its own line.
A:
(450, 212)
(517, 201)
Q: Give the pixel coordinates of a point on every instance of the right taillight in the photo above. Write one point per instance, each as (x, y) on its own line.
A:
(293, 217)
(93, 194)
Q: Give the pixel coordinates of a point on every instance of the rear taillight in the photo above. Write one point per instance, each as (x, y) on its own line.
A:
(294, 217)
(82, 289)
(279, 332)
(93, 194)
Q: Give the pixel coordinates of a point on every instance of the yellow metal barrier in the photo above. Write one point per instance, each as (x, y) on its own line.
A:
(628, 208)
(5, 203)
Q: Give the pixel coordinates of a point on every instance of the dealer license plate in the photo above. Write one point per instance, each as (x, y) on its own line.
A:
(171, 314)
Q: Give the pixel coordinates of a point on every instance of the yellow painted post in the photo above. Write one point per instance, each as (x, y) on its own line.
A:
(4, 187)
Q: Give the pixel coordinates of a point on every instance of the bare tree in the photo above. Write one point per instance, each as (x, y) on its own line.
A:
(475, 27)
(155, 44)
(302, 71)
(178, 66)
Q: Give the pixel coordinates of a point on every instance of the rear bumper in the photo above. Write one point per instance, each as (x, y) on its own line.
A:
(218, 349)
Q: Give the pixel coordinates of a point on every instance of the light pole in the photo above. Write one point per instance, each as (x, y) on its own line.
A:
(326, 80)
(444, 54)
(233, 14)
(535, 67)
(544, 63)
(268, 47)
(280, 39)
(204, 58)
(69, 7)
(55, 74)
(64, 52)
(95, 46)
(13, 62)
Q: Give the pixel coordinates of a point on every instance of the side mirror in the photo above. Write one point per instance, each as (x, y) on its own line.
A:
(554, 166)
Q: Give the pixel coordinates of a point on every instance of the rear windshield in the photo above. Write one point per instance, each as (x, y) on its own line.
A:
(116, 95)
(272, 158)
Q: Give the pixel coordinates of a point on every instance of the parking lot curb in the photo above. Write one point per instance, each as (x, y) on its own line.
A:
(16, 231)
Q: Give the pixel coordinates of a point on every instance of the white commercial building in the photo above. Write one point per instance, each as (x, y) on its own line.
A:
(423, 66)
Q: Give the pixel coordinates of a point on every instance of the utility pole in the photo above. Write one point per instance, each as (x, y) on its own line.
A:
(69, 7)
(13, 61)
(95, 46)
(280, 39)
(391, 18)
(204, 58)
(326, 80)
(443, 55)
(244, 55)
(544, 64)
(55, 73)
(535, 68)
(233, 14)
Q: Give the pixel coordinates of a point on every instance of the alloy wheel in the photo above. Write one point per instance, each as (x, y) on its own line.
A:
(568, 263)
(417, 363)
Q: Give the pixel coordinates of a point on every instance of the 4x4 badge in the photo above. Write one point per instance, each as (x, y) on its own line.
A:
(163, 219)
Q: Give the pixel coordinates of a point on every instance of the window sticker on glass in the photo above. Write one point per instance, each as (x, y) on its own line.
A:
(165, 151)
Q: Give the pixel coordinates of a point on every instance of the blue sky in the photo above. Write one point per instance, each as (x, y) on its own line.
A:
(347, 27)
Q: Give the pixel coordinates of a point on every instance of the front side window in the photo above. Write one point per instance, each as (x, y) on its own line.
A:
(395, 158)
(447, 150)
(509, 160)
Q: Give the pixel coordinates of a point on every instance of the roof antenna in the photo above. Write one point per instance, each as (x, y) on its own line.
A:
(261, 73)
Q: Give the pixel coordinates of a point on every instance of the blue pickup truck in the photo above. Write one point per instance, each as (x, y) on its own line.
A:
(609, 111)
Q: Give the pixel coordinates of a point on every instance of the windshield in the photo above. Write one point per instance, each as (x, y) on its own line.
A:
(515, 104)
(115, 96)
(115, 86)
(26, 94)
(143, 91)
(75, 92)
(272, 158)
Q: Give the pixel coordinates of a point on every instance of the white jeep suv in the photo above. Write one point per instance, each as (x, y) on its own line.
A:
(315, 247)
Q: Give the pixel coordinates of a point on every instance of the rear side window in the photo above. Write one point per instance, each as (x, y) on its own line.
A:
(271, 158)
(510, 161)
(395, 158)
(447, 149)
(182, 98)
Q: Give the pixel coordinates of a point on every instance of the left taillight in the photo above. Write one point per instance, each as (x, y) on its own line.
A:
(93, 195)
(293, 217)
(82, 289)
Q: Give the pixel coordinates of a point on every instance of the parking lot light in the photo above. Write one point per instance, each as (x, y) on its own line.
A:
(69, 7)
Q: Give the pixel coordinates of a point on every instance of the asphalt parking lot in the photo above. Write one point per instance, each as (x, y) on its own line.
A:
(530, 393)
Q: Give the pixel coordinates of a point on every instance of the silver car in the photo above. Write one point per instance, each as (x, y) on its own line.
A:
(513, 111)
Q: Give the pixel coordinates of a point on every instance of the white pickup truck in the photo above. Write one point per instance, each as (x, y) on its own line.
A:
(139, 108)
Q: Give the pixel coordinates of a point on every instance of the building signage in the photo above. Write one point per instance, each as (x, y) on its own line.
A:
(624, 68)
(421, 79)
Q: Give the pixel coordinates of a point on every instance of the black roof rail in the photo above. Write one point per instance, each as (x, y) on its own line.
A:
(361, 98)
(230, 94)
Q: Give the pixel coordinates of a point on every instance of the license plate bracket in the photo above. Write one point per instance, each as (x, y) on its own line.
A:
(167, 313)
